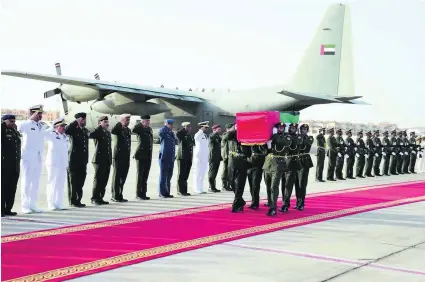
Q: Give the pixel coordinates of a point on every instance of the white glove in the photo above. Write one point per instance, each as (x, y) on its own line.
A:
(384, 154)
(346, 156)
(406, 153)
(376, 155)
(357, 155)
(393, 153)
(269, 144)
(367, 156)
(401, 153)
(413, 152)
(339, 155)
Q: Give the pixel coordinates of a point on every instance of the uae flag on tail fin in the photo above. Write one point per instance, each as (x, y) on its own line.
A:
(327, 49)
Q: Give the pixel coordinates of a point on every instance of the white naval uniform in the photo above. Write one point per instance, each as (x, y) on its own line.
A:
(31, 155)
(56, 165)
(421, 161)
(200, 157)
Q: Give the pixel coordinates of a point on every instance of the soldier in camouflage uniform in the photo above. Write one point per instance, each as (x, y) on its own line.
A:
(377, 154)
(395, 147)
(360, 154)
(400, 155)
(413, 152)
(370, 149)
(340, 155)
(386, 153)
(407, 151)
(350, 153)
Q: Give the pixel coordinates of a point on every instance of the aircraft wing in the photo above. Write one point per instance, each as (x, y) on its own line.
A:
(153, 92)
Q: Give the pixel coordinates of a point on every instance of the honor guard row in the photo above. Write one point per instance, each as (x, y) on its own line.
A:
(373, 156)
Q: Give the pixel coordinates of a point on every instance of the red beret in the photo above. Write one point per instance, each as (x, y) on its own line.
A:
(215, 126)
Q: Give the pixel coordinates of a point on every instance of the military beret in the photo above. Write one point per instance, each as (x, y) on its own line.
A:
(80, 115)
(293, 124)
(186, 123)
(58, 122)
(7, 117)
(304, 126)
(215, 126)
(339, 130)
(204, 124)
(280, 124)
(169, 121)
(125, 116)
(146, 117)
(229, 125)
(36, 108)
(102, 118)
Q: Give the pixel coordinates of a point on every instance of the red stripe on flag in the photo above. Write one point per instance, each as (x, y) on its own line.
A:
(322, 49)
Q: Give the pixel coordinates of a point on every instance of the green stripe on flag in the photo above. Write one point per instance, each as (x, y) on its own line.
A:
(286, 117)
(329, 46)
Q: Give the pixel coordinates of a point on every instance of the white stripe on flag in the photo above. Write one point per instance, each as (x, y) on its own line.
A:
(329, 50)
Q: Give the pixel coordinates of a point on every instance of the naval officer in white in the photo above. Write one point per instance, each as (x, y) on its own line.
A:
(33, 131)
(200, 158)
(56, 164)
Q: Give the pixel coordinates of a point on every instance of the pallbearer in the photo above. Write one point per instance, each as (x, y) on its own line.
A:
(360, 154)
(10, 159)
(78, 158)
(340, 155)
(276, 165)
(200, 157)
(370, 147)
(377, 154)
(184, 157)
(321, 154)
(225, 176)
(386, 153)
(332, 154)
(301, 179)
(255, 173)
(121, 157)
(214, 157)
(143, 156)
(102, 160)
(395, 148)
(56, 164)
(350, 153)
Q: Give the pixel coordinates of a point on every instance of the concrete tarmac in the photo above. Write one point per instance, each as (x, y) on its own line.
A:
(381, 245)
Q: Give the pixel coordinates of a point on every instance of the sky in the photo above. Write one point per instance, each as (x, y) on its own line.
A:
(215, 44)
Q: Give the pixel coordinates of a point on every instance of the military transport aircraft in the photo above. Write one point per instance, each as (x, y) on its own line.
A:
(324, 76)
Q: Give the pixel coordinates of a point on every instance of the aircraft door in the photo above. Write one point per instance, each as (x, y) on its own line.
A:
(208, 116)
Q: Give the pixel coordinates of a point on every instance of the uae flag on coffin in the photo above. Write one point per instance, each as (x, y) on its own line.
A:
(257, 127)
(327, 49)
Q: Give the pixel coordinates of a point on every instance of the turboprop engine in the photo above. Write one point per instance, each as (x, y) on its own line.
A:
(74, 93)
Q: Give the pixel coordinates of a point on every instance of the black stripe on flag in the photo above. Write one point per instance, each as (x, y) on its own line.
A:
(329, 53)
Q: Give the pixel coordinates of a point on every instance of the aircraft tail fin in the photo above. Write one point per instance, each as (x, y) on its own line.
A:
(326, 68)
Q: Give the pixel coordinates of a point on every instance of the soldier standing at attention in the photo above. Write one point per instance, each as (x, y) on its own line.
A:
(294, 165)
(102, 160)
(78, 159)
(200, 156)
(184, 157)
(10, 160)
(166, 158)
(214, 158)
(377, 154)
(400, 156)
(369, 155)
(332, 154)
(360, 154)
(301, 179)
(276, 165)
(321, 154)
(407, 151)
(225, 156)
(350, 152)
(386, 153)
(255, 173)
(340, 155)
(413, 152)
(238, 161)
(121, 157)
(143, 156)
(395, 147)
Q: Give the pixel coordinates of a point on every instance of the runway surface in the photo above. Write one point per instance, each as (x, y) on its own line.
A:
(382, 245)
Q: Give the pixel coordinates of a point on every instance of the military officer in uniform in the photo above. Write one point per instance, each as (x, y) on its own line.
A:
(10, 160)
(225, 177)
(184, 157)
(143, 156)
(377, 154)
(370, 147)
(214, 157)
(200, 157)
(360, 154)
(238, 161)
(294, 165)
(395, 147)
(401, 150)
(332, 154)
(413, 152)
(33, 131)
(301, 178)
(350, 153)
(321, 154)
(255, 173)
(121, 156)
(78, 158)
(168, 141)
(102, 160)
(407, 151)
(386, 153)
(276, 165)
(340, 155)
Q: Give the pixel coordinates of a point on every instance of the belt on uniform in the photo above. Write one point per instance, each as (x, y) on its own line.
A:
(318, 147)
(237, 155)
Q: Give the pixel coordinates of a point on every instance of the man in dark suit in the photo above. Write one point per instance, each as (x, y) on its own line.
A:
(102, 160)
(121, 157)
(184, 157)
(78, 159)
(143, 156)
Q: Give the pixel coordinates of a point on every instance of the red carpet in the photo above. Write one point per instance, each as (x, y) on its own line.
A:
(70, 252)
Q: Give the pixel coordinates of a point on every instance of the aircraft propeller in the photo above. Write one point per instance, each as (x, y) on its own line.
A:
(58, 90)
